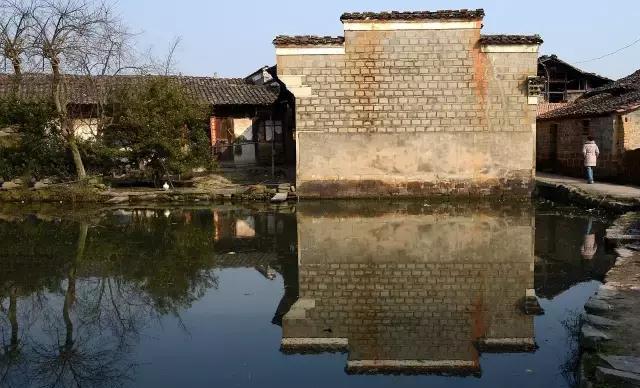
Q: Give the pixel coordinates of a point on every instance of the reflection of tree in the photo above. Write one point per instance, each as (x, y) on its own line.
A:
(27, 270)
(169, 262)
(82, 358)
(95, 291)
(10, 352)
(571, 365)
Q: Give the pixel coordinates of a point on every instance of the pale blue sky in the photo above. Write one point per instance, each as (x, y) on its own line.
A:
(233, 37)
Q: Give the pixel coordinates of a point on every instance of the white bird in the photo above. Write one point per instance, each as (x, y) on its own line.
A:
(165, 187)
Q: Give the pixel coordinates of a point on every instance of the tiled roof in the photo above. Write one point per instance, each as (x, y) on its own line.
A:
(464, 14)
(308, 40)
(553, 59)
(510, 39)
(620, 96)
(545, 107)
(82, 89)
(628, 83)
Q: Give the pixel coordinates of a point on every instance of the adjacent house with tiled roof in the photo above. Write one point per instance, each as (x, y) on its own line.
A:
(412, 104)
(611, 114)
(564, 82)
(247, 114)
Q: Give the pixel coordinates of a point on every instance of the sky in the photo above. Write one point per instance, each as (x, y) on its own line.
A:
(232, 38)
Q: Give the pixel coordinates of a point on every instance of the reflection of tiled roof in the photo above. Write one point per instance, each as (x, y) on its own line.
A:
(246, 260)
(464, 14)
(85, 90)
(510, 39)
(620, 96)
(308, 40)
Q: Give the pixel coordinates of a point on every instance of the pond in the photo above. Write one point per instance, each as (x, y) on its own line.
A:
(340, 294)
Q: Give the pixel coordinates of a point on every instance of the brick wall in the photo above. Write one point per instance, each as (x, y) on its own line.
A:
(414, 286)
(412, 112)
(631, 125)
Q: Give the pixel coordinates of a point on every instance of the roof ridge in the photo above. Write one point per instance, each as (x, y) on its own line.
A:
(415, 15)
(510, 39)
(307, 40)
(210, 90)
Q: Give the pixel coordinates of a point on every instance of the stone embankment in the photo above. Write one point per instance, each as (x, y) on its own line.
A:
(610, 335)
(610, 197)
(92, 192)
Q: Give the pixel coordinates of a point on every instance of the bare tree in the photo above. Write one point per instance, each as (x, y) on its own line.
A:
(164, 65)
(15, 22)
(76, 37)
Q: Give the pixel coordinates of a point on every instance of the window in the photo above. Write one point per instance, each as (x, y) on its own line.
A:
(586, 127)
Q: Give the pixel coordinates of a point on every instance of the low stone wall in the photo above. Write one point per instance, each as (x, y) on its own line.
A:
(610, 336)
(569, 194)
(356, 165)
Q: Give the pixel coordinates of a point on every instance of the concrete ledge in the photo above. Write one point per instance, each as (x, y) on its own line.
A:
(460, 367)
(314, 345)
(507, 345)
(368, 188)
(511, 48)
(314, 50)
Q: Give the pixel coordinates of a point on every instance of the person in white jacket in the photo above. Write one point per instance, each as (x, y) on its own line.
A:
(591, 152)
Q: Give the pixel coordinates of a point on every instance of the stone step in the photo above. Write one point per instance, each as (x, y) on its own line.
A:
(596, 305)
(615, 378)
(591, 337)
(623, 363)
(279, 197)
(600, 322)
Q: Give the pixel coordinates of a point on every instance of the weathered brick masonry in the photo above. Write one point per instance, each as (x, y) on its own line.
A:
(412, 292)
(412, 104)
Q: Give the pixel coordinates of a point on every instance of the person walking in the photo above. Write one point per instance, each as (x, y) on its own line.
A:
(591, 152)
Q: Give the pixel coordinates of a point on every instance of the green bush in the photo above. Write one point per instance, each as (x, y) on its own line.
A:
(155, 124)
(40, 151)
(152, 123)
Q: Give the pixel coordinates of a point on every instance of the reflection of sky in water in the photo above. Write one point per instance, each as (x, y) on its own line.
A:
(190, 298)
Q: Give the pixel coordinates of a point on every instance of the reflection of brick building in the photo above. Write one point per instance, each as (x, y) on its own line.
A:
(407, 292)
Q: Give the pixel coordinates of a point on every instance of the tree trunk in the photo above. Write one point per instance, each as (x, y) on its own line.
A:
(77, 158)
(17, 76)
(13, 318)
(70, 295)
(65, 121)
(17, 68)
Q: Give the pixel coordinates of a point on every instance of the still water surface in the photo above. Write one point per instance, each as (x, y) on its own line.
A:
(320, 294)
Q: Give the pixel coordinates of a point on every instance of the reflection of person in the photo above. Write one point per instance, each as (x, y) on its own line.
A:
(589, 247)
(591, 152)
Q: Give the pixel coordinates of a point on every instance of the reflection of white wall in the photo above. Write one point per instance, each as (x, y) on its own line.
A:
(246, 228)
(85, 129)
(272, 126)
(243, 127)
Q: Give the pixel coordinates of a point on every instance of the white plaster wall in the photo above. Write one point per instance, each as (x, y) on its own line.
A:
(86, 129)
(244, 127)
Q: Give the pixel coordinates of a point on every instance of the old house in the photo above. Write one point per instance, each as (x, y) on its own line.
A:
(250, 118)
(412, 104)
(611, 114)
(565, 83)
